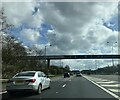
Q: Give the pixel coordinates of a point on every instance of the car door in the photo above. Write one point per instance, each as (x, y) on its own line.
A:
(46, 80)
(41, 79)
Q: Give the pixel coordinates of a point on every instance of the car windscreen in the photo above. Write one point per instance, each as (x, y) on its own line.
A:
(25, 74)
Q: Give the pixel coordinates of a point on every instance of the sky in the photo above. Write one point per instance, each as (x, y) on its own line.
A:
(74, 28)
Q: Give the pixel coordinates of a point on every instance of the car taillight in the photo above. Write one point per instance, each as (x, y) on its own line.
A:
(10, 81)
(31, 80)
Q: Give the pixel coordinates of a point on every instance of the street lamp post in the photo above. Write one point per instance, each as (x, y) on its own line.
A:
(45, 50)
(112, 51)
(45, 55)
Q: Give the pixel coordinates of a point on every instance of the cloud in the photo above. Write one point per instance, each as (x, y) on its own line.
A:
(17, 13)
(35, 20)
(30, 34)
(73, 34)
(78, 28)
(66, 17)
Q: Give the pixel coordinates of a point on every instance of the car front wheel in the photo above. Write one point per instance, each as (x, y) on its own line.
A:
(49, 85)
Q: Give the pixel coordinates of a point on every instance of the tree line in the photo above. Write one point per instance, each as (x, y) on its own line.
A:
(104, 71)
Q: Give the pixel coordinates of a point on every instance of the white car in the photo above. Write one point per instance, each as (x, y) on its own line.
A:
(27, 81)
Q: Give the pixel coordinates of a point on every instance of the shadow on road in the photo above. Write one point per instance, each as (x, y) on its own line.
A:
(17, 96)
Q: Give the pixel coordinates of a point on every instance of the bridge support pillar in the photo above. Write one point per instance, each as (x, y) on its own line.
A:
(48, 63)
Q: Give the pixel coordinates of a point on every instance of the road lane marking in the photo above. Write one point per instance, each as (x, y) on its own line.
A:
(107, 82)
(114, 95)
(115, 85)
(114, 90)
(56, 92)
(3, 92)
(99, 80)
(64, 85)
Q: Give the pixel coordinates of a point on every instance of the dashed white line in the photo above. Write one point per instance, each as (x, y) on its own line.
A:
(56, 92)
(64, 85)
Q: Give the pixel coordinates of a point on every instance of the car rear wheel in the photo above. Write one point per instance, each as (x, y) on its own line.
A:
(39, 89)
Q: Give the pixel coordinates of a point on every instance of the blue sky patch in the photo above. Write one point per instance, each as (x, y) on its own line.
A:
(16, 32)
(112, 23)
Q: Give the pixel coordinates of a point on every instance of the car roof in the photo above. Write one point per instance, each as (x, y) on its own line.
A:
(29, 71)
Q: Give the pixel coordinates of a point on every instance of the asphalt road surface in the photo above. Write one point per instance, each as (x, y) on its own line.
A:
(73, 87)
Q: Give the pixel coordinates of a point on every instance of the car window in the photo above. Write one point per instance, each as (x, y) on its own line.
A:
(25, 74)
(43, 75)
(40, 75)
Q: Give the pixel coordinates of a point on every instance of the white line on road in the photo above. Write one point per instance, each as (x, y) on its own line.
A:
(3, 92)
(114, 85)
(56, 92)
(103, 80)
(114, 90)
(107, 82)
(64, 85)
(114, 95)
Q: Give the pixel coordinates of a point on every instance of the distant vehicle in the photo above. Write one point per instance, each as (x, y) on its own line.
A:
(66, 74)
(34, 81)
(78, 74)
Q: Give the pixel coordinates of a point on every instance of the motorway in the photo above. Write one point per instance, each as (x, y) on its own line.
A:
(73, 87)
